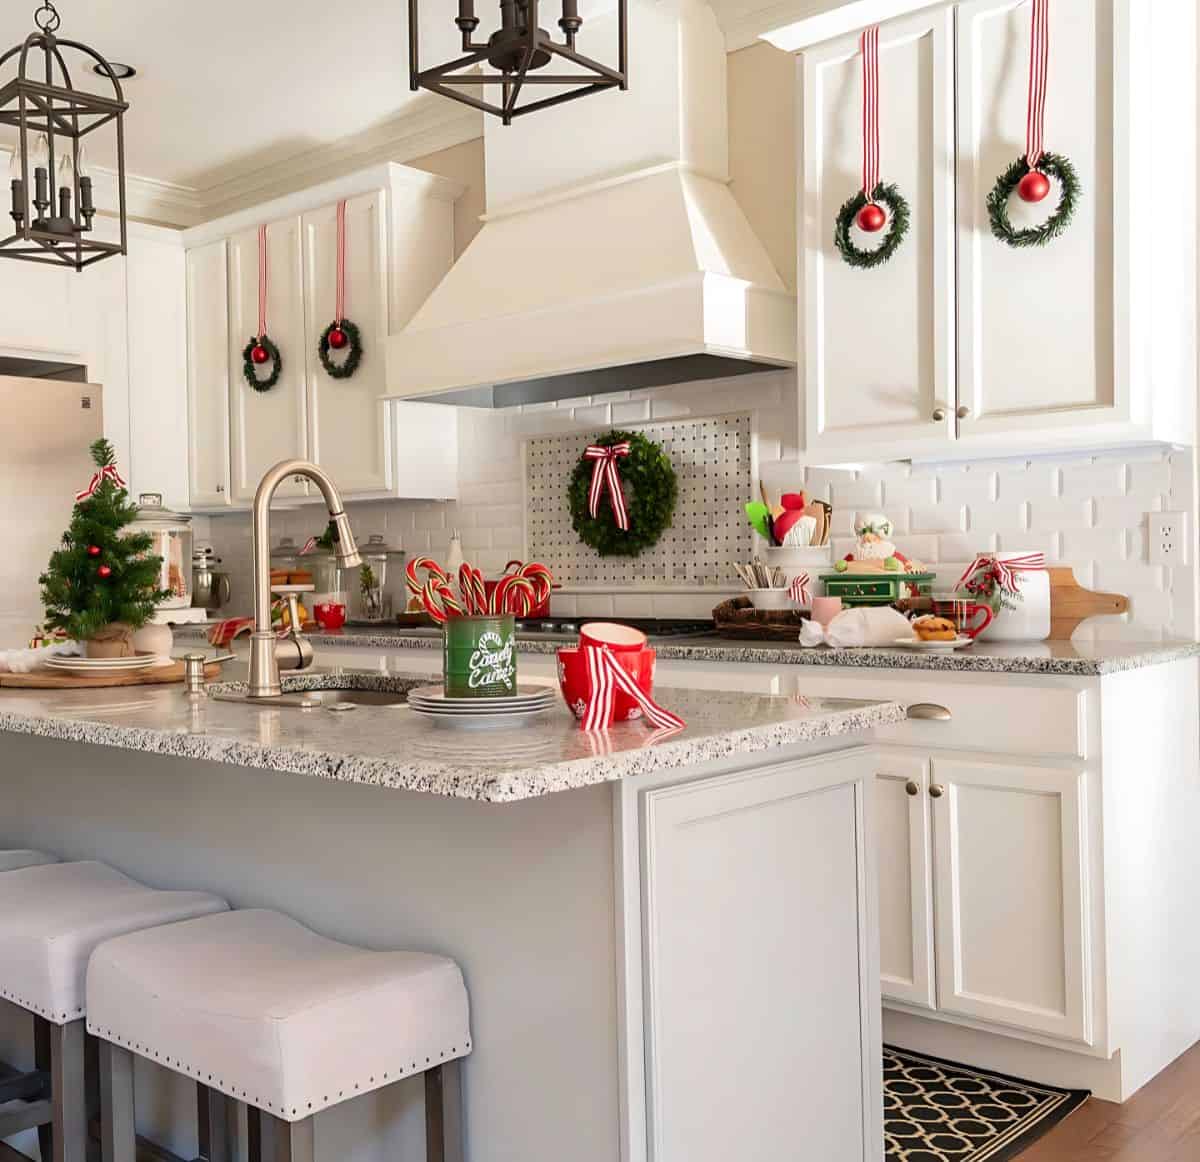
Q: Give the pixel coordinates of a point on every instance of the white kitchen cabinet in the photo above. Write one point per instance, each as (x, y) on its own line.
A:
(903, 839)
(208, 374)
(267, 426)
(879, 344)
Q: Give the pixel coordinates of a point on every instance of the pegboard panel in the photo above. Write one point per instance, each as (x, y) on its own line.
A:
(712, 460)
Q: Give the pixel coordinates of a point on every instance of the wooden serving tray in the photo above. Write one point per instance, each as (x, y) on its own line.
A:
(45, 680)
(1071, 604)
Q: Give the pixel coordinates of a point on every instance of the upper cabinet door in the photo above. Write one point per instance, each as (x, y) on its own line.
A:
(208, 375)
(347, 429)
(1038, 326)
(879, 343)
(267, 426)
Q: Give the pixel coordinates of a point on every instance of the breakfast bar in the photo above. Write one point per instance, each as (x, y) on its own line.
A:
(650, 925)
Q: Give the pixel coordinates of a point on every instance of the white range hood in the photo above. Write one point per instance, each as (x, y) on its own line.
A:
(613, 255)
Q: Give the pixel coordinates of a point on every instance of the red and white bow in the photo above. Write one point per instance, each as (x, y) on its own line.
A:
(798, 589)
(604, 472)
(108, 472)
(1008, 569)
(605, 676)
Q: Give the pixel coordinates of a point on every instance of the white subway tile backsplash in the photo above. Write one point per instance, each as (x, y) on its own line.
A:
(908, 492)
(1100, 477)
(1049, 513)
(938, 518)
(1147, 478)
(1094, 544)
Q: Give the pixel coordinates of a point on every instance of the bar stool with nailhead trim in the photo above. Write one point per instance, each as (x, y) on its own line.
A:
(255, 1006)
(52, 916)
(14, 860)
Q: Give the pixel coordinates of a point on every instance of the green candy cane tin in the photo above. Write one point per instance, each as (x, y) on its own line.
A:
(480, 656)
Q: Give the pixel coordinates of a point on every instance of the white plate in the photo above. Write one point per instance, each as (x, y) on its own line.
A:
(100, 663)
(524, 708)
(527, 693)
(483, 720)
(934, 647)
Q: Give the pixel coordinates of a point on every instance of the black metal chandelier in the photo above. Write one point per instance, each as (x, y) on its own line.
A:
(516, 51)
(52, 206)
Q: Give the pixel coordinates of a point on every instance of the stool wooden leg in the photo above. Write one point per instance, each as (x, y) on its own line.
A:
(285, 1141)
(443, 1113)
(68, 1092)
(118, 1137)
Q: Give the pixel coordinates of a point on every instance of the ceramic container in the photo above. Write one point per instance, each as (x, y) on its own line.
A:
(1029, 621)
(770, 599)
(573, 680)
(480, 657)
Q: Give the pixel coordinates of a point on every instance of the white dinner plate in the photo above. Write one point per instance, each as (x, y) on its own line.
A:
(482, 720)
(527, 694)
(105, 667)
(934, 647)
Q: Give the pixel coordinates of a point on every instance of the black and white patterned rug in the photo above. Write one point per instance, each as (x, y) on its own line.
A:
(938, 1111)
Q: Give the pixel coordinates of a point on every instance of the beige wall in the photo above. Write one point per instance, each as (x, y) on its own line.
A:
(462, 163)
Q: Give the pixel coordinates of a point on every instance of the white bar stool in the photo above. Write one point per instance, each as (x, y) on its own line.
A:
(13, 860)
(255, 1006)
(52, 916)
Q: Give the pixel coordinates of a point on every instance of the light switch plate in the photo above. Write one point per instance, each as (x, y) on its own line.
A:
(1169, 539)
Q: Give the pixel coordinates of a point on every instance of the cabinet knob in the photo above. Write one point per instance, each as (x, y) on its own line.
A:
(220, 488)
(963, 412)
(930, 710)
(912, 788)
(939, 414)
(935, 790)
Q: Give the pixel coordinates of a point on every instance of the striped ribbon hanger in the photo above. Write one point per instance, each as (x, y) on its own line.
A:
(605, 475)
(1039, 59)
(340, 309)
(798, 590)
(108, 472)
(870, 110)
(606, 676)
(1008, 570)
(263, 274)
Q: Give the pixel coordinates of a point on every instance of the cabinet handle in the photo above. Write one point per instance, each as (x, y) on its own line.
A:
(220, 488)
(912, 788)
(935, 790)
(930, 711)
(963, 412)
(939, 414)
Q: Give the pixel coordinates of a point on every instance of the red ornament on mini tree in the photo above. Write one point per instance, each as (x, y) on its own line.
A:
(260, 354)
(104, 571)
(1034, 186)
(871, 218)
(94, 550)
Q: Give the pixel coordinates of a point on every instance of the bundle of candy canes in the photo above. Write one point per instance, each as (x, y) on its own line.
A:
(519, 592)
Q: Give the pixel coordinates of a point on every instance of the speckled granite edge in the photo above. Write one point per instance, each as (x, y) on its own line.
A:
(446, 777)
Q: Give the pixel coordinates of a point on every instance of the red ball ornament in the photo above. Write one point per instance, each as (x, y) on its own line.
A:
(260, 354)
(105, 571)
(1034, 186)
(337, 339)
(93, 550)
(871, 218)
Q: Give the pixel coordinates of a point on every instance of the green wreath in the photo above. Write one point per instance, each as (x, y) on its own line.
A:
(249, 366)
(354, 350)
(898, 217)
(1053, 165)
(650, 489)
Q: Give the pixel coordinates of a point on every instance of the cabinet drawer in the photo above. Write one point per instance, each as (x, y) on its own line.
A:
(1014, 717)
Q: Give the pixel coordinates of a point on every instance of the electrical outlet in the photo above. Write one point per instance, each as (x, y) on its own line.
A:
(1168, 539)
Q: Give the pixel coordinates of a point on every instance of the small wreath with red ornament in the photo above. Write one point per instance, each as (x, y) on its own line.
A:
(340, 335)
(259, 351)
(1032, 185)
(870, 216)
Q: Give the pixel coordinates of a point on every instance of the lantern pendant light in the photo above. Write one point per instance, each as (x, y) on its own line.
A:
(512, 56)
(52, 205)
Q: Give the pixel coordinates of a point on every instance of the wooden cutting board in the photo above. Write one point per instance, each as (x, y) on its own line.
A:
(1071, 604)
(45, 680)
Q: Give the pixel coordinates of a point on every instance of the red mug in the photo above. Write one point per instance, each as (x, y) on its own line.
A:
(330, 614)
(963, 612)
(573, 681)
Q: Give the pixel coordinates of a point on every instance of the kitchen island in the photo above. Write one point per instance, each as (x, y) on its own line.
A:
(669, 941)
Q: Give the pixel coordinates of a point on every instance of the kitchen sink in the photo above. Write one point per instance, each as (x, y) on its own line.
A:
(336, 700)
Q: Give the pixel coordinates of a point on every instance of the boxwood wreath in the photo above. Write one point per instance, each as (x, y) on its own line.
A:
(350, 341)
(249, 363)
(1053, 165)
(898, 218)
(650, 489)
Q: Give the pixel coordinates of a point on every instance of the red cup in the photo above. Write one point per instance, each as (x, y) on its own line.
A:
(619, 638)
(963, 612)
(330, 614)
(573, 681)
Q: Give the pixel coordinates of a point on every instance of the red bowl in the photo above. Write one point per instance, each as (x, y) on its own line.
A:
(619, 638)
(573, 681)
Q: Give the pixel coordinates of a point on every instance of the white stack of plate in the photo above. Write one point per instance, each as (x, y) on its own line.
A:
(530, 700)
(103, 667)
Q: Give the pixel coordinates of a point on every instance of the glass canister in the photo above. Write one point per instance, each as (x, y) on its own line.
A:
(171, 533)
(380, 592)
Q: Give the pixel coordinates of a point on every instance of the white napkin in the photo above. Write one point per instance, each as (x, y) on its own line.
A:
(855, 628)
(25, 661)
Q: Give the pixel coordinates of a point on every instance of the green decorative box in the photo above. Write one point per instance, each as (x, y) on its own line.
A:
(876, 588)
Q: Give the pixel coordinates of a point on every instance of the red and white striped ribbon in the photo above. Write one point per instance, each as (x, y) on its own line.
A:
(798, 589)
(870, 110)
(604, 473)
(340, 309)
(1039, 59)
(1026, 563)
(605, 677)
(108, 472)
(262, 281)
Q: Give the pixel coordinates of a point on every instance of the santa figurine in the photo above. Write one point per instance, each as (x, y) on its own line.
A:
(874, 551)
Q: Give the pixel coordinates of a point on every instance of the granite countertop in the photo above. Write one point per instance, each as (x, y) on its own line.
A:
(1051, 657)
(390, 746)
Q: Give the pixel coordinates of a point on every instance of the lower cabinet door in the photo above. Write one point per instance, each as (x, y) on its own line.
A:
(1010, 887)
(905, 869)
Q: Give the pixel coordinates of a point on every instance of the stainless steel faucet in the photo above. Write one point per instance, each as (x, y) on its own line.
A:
(267, 652)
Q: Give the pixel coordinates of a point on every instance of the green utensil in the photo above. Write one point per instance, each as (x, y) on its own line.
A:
(759, 517)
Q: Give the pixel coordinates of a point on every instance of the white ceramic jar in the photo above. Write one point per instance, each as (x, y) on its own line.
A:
(1029, 620)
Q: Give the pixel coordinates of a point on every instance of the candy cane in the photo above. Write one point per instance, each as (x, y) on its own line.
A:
(429, 597)
(467, 588)
(430, 566)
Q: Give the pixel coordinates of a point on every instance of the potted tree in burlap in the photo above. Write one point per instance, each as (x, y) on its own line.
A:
(102, 584)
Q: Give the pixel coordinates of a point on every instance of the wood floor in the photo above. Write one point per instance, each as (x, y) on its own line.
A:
(1160, 1123)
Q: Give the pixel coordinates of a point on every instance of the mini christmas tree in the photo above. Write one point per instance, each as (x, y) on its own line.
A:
(101, 576)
